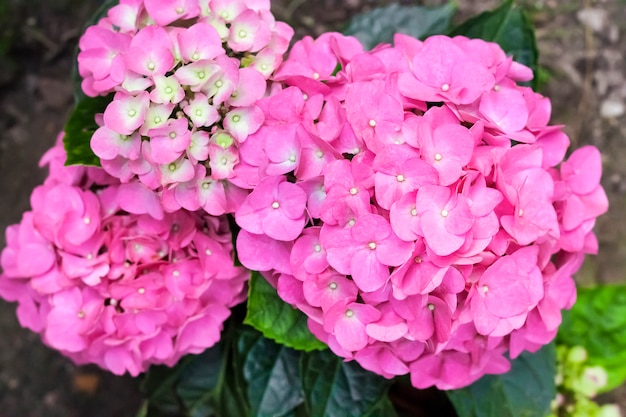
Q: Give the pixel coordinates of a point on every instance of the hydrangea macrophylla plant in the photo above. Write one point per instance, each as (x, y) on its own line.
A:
(415, 203)
(106, 277)
(186, 76)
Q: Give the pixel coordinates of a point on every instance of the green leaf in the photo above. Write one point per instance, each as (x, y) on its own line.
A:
(276, 319)
(198, 381)
(272, 375)
(510, 28)
(230, 399)
(159, 388)
(80, 127)
(380, 24)
(597, 322)
(384, 407)
(335, 388)
(525, 391)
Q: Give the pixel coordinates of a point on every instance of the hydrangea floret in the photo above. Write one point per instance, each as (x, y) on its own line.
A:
(415, 203)
(185, 77)
(104, 285)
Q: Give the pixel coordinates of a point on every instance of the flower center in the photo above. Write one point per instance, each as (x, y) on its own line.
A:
(275, 205)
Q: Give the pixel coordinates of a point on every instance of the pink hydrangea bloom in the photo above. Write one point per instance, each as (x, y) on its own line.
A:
(414, 203)
(181, 71)
(107, 278)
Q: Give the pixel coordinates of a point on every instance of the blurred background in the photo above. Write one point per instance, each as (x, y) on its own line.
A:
(582, 46)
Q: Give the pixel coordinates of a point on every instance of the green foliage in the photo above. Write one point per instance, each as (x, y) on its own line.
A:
(597, 322)
(80, 127)
(334, 388)
(510, 28)
(271, 374)
(525, 391)
(276, 319)
(380, 24)
(577, 385)
(248, 375)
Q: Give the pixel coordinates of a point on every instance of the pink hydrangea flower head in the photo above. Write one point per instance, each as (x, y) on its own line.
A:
(414, 203)
(181, 71)
(106, 277)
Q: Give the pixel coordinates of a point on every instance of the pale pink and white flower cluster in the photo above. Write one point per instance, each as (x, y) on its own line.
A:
(413, 201)
(106, 286)
(186, 76)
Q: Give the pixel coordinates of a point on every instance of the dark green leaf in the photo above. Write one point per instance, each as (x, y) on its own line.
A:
(380, 24)
(525, 391)
(159, 387)
(276, 319)
(597, 322)
(335, 388)
(384, 407)
(272, 375)
(231, 399)
(198, 381)
(80, 127)
(509, 27)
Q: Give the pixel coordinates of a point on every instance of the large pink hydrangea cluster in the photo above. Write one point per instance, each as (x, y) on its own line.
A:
(117, 289)
(186, 75)
(413, 201)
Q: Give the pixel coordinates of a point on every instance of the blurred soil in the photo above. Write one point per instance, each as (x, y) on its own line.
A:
(582, 46)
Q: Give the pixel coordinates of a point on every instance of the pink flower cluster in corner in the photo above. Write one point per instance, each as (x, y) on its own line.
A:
(186, 76)
(120, 290)
(413, 201)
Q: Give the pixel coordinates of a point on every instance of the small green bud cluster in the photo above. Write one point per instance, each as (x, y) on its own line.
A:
(577, 384)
